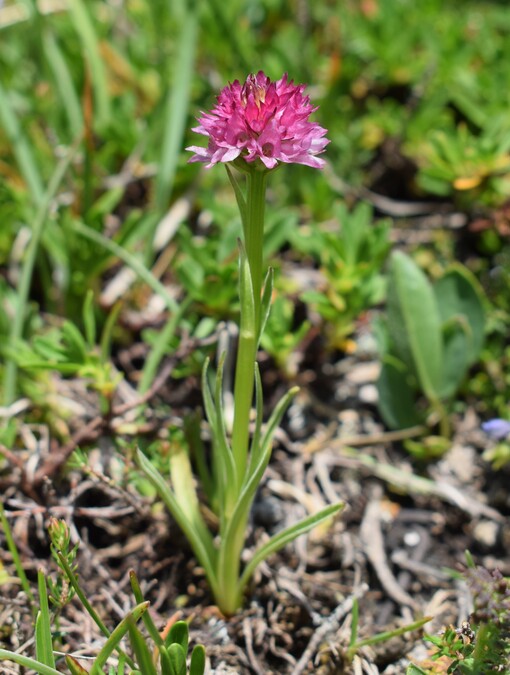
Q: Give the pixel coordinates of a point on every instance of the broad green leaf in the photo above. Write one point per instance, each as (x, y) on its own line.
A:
(197, 663)
(396, 397)
(414, 323)
(179, 634)
(459, 294)
(457, 340)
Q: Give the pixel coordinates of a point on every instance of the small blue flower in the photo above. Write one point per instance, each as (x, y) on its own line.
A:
(497, 429)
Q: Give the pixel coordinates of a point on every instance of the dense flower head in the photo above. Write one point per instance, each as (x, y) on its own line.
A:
(261, 120)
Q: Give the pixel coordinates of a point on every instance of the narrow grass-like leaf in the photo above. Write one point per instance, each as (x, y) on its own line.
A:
(240, 198)
(259, 411)
(282, 538)
(112, 643)
(265, 307)
(222, 450)
(142, 653)
(27, 662)
(89, 320)
(11, 367)
(76, 347)
(63, 82)
(160, 347)
(197, 449)
(74, 667)
(276, 418)
(13, 550)
(146, 618)
(73, 580)
(387, 635)
(21, 148)
(183, 483)
(202, 547)
(177, 108)
(354, 622)
(90, 43)
(106, 335)
(43, 641)
(132, 261)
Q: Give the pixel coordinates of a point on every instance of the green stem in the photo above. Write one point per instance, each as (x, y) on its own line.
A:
(11, 545)
(247, 350)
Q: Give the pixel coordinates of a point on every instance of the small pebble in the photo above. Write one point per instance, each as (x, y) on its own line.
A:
(486, 532)
(368, 394)
(412, 539)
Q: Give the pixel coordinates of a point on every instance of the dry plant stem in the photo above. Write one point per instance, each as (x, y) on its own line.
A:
(247, 350)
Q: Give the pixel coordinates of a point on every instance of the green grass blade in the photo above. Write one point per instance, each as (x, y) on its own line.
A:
(141, 650)
(74, 667)
(146, 618)
(64, 83)
(21, 148)
(177, 109)
(160, 347)
(43, 641)
(130, 260)
(13, 550)
(90, 42)
(11, 368)
(27, 662)
(112, 643)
